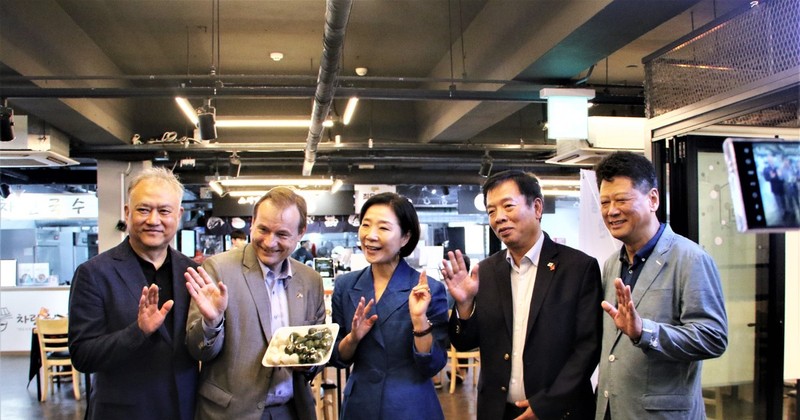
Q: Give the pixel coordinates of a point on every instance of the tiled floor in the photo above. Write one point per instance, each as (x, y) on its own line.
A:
(18, 399)
(18, 402)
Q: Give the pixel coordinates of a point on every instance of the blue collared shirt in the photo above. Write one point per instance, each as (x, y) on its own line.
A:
(629, 272)
(280, 387)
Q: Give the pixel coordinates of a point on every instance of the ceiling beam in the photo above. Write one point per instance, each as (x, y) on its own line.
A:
(33, 42)
(575, 37)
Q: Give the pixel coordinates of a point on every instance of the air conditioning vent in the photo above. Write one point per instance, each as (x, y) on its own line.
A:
(606, 135)
(33, 159)
(578, 153)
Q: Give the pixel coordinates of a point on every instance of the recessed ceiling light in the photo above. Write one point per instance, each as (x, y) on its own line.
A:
(276, 56)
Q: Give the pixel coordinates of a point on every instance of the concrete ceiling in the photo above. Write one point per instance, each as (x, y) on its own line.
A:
(447, 80)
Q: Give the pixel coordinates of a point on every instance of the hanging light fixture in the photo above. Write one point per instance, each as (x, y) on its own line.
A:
(206, 123)
(257, 186)
(6, 122)
(235, 165)
(203, 118)
(233, 122)
(486, 165)
(243, 122)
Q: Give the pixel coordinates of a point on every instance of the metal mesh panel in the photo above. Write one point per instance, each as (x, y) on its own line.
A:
(785, 115)
(746, 48)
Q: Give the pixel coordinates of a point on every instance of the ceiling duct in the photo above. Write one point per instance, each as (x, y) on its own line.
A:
(337, 13)
(29, 150)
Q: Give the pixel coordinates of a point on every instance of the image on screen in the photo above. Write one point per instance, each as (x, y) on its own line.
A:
(188, 242)
(778, 172)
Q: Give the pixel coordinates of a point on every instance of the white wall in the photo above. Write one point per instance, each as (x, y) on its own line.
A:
(563, 224)
(20, 305)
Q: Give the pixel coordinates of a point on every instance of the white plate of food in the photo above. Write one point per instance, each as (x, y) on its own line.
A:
(309, 345)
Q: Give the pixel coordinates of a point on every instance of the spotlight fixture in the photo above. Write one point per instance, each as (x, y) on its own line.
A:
(6, 123)
(205, 122)
(235, 167)
(486, 165)
(235, 160)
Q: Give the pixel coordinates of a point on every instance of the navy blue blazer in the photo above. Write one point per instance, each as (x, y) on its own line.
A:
(390, 379)
(135, 377)
(562, 344)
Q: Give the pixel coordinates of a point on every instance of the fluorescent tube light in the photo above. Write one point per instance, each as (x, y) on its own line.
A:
(259, 193)
(562, 193)
(187, 109)
(217, 188)
(267, 182)
(247, 193)
(545, 182)
(233, 122)
(350, 110)
(337, 185)
(223, 122)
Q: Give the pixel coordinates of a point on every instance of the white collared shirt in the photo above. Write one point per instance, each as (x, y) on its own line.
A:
(523, 278)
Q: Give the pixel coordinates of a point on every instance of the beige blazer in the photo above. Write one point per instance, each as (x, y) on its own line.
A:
(233, 383)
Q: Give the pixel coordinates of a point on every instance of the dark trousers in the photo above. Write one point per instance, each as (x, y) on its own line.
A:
(512, 411)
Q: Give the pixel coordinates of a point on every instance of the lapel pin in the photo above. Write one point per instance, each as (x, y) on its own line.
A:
(299, 295)
(551, 266)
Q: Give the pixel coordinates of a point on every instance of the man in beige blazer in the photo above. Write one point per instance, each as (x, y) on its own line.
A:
(239, 299)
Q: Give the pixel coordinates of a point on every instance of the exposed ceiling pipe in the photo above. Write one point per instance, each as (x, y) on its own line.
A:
(293, 92)
(337, 13)
(228, 79)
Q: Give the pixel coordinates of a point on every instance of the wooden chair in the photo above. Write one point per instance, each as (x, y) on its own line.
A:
(56, 361)
(472, 361)
(324, 390)
(712, 397)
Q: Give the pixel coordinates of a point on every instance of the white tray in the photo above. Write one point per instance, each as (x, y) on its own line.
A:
(281, 338)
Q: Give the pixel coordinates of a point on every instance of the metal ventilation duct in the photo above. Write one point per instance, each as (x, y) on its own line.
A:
(337, 13)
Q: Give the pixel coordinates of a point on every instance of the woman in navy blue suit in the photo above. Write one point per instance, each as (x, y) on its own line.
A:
(393, 320)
